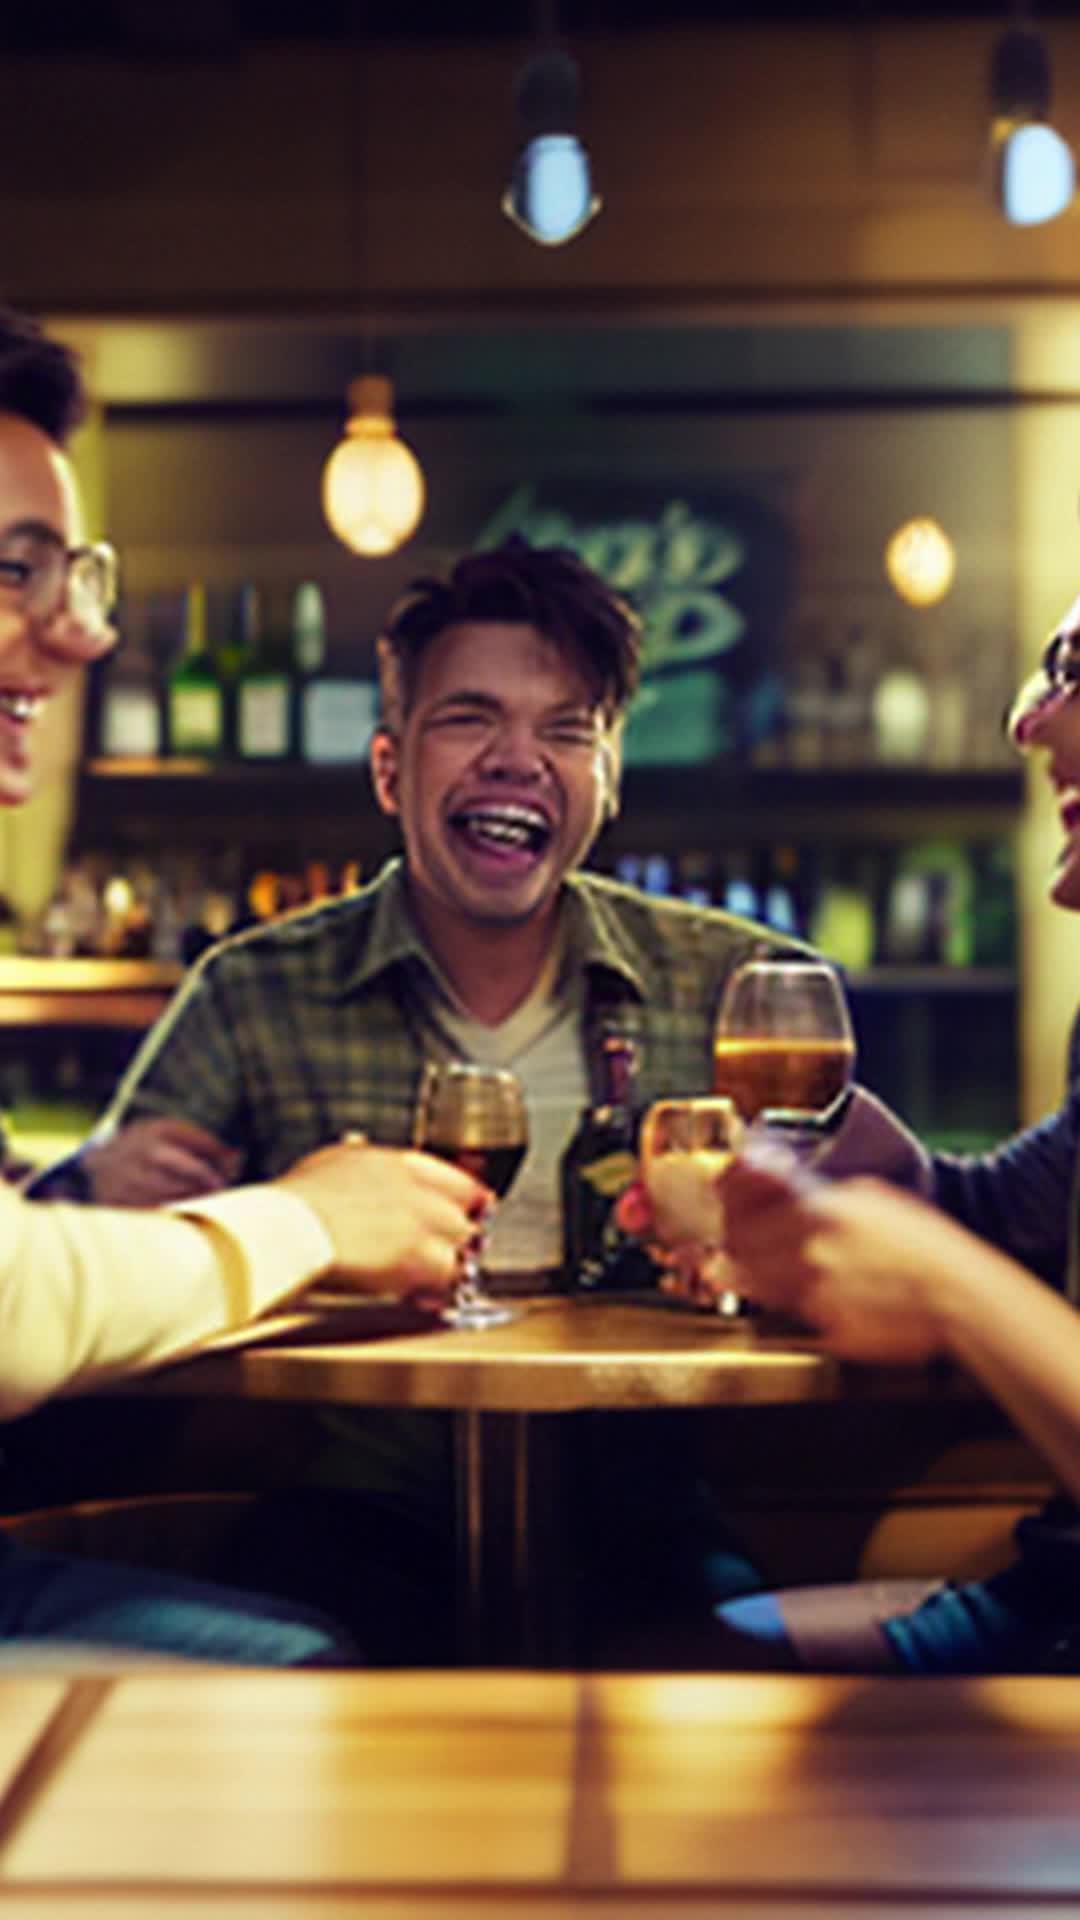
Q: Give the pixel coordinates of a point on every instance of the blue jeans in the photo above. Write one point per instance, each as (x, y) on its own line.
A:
(1013, 1622)
(1006, 1624)
(51, 1598)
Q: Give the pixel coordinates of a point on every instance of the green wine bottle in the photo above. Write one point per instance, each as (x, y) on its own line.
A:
(195, 702)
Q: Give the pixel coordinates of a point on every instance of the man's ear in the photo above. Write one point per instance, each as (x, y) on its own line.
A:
(384, 770)
(612, 773)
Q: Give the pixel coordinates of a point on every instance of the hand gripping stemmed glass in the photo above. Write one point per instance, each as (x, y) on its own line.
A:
(475, 1117)
(783, 1046)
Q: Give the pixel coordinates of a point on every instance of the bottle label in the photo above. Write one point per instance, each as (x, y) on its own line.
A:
(337, 720)
(262, 725)
(195, 719)
(130, 723)
(609, 1175)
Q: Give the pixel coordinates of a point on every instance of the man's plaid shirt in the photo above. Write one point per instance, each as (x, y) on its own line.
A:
(290, 1035)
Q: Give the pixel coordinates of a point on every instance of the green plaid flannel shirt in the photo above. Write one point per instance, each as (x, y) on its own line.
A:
(288, 1036)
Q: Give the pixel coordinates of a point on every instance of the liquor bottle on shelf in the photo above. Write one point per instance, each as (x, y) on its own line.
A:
(695, 878)
(126, 930)
(308, 624)
(166, 923)
(212, 913)
(656, 876)
(782, 904)
(843, 919)
(596, 1167)
(901, 716)
(628, 868)
(195, 702)
(129, 697)
(806, 696)
(335, 714)
(232, 622)
(263, 709)
(996, 930)
(739, 893)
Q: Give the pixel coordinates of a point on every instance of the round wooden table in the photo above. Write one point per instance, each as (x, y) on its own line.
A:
(560, 1355)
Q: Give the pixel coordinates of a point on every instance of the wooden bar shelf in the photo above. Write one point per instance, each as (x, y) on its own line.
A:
(192, 803)
(43, 992)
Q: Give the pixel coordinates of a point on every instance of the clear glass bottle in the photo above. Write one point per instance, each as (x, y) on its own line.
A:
(335, 713)
(263, 728)
(129, 724)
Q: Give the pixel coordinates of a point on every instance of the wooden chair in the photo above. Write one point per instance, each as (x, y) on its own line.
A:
(190, 1533)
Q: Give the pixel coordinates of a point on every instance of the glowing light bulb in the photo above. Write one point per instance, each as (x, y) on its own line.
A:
(551, 194)
(1036, 175)
(920, 562)
(372, 486)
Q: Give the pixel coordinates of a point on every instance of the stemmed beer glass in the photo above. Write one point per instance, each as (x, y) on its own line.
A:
(685, 1146)
(783, 1046)
(783, 1053)
(474, 1116)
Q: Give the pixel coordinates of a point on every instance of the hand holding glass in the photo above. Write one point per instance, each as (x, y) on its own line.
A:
(685, 1146)
(476, 1118)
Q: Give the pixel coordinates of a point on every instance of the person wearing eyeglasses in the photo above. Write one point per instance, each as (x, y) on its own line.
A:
(89, 1294)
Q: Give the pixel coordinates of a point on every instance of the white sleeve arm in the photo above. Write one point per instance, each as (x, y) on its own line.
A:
(88, 1294)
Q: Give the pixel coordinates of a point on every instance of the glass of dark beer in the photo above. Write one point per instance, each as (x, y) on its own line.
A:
(474, 1116)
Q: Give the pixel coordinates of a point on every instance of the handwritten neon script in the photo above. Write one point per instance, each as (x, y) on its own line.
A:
(671, 568)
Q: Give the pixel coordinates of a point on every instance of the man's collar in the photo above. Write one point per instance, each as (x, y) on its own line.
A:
(595, 937)
(393, 939)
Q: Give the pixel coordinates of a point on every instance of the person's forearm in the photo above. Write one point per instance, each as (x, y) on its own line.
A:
(89, 1294)
(1022, 1343)
(1018, 1196)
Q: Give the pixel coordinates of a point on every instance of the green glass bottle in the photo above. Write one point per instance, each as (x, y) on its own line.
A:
(195, 702)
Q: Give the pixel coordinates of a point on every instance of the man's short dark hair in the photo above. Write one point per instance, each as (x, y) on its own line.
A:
(548, 588)
(40, 380)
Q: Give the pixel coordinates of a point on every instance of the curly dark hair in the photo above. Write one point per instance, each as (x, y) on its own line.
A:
(40, 380)
(548, 588)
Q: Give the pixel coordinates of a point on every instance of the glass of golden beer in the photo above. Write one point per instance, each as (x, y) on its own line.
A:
(783, 1041)
(685, 1146)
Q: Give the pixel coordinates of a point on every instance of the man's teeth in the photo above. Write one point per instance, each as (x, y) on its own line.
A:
(510, 826)
(18, 706)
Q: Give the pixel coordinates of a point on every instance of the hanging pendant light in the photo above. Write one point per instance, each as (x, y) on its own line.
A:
(1034, 173)
(550, 196)
(920, 561)
(372, 486)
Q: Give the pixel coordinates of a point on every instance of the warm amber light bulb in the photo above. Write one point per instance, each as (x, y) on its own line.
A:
(920, 562)
(372, 486)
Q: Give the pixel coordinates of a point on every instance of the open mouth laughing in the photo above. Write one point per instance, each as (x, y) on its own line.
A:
(502, 830)
(19, 705)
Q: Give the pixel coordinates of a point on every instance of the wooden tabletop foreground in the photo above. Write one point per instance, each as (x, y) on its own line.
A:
(447, 1794)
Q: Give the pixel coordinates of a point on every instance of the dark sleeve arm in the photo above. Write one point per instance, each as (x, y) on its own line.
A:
(1019, 1197)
